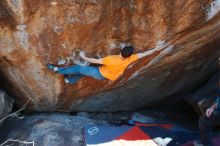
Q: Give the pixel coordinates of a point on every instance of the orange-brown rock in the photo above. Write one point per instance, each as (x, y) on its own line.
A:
(35, 32)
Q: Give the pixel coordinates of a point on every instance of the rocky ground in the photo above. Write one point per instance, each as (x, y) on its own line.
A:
(47, 129)
(59, 129)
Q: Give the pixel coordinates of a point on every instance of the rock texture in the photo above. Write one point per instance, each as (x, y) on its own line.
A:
(59, 129)
(46, 130)
(6, 103)
(36, 32)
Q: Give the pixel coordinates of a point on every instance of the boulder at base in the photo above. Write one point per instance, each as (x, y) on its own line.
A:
(45, 130)
(6, 103)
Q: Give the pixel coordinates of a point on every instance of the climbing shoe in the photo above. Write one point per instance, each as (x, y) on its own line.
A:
(66, 80)
(52, 67)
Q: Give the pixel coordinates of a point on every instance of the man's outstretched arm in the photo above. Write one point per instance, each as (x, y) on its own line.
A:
(91, 60)
(148, 52)
(160, 45)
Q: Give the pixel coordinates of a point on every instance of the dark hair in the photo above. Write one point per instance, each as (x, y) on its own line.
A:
(127, 51)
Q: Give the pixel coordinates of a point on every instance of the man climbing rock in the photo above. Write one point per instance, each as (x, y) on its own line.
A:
(111, 66)
(210, 119)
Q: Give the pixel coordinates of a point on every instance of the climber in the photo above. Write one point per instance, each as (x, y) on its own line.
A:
(211, 118)
(111, 66)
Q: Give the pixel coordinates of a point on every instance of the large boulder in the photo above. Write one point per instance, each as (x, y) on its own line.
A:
(46, 130)
(6, 104)
(35, 32)
(67, 130)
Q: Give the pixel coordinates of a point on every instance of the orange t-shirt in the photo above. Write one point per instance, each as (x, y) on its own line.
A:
(113, 66)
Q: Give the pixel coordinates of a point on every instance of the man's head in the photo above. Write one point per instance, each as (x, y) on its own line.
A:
(127, 51)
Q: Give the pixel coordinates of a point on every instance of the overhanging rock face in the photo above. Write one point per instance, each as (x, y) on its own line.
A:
(35, 32)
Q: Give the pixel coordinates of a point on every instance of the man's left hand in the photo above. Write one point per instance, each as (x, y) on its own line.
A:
(82, 54)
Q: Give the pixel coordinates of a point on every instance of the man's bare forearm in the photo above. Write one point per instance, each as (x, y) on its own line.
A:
(146, 53)
(92, 60)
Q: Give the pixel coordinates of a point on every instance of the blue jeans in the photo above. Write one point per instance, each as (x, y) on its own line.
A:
(76, 72)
